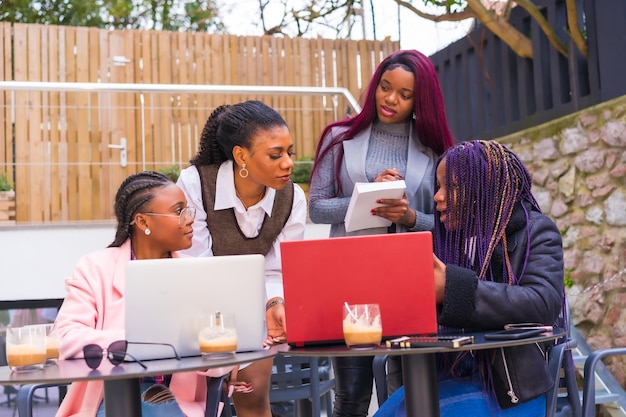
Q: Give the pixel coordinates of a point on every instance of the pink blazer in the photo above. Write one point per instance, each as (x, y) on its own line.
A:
(94, 312)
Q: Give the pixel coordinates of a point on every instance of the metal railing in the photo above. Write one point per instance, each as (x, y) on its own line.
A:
(141, 89)
(66, 146)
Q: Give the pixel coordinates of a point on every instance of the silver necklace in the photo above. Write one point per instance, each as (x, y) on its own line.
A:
(244, 204)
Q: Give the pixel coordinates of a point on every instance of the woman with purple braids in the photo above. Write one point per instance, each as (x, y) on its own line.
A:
(498, 260)
(399, 134)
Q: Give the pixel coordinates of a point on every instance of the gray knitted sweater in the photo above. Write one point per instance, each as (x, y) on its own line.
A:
(387, 148)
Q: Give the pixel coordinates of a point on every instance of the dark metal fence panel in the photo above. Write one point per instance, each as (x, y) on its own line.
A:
(491, 92)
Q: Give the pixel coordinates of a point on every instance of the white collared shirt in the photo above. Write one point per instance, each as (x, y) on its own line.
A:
(250, 221)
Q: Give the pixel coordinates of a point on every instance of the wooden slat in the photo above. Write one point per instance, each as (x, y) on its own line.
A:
(266, 68)
(101, 198)
(46, 178)
(278, 73)
(108, 185)
(290, 81)
(330, 114)
(135, 99)
(129, 100)
(163, 132)
(231, 62)
(53, 112)
(20, 41)
(73, 195)
(6, 137)
(35, 148)
(308, 79)
(148, 75)
(118, 112)
(198, 111)
(185, 77)
(62, 155)
(83, 145)
(317, 112)
(152, 101)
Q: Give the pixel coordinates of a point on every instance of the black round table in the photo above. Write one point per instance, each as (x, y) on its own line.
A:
(419, 371)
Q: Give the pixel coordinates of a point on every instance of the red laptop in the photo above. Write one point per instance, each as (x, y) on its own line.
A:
(393, 270)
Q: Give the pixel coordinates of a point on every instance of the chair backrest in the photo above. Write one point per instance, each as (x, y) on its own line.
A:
(299, 377)
(296, 378)
(564, 398)
(589, 385)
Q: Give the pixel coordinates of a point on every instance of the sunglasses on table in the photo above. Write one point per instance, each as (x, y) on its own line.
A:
(116, 353)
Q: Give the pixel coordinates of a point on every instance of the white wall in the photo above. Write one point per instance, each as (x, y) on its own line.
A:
(35, 260)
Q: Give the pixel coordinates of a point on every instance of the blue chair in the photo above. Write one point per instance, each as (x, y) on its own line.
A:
(589, 381)
(563, 400)
(302, 379)
(26, 394)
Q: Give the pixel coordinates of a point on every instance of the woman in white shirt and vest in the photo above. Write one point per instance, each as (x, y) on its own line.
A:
(246, 203)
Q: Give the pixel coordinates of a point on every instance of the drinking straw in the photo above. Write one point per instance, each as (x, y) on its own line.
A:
(350, 311)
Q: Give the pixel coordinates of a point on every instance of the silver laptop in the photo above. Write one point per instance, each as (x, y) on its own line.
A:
(165, 299)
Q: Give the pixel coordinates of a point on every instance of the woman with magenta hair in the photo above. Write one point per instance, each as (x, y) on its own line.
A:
(399, 134)
(498, 260)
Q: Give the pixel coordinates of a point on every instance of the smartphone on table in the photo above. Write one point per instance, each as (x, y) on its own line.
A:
(514, 333)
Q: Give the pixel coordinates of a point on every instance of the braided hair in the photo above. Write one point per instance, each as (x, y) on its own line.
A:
(484, 182)
(234, 125)
(133, 194)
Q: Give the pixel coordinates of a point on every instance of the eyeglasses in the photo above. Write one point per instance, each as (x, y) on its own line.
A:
(186, 214)
(116, 353)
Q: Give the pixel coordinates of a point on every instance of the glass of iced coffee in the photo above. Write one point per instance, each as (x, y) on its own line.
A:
(362, 325)
(52, 344)
(26, 348)
(217, 335)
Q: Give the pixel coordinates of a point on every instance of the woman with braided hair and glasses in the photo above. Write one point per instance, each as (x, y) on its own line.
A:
(153, 221)
(239, 183)
(498, 260)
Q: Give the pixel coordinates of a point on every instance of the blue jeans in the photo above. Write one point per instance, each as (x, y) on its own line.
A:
(168, 409)
(467, 399)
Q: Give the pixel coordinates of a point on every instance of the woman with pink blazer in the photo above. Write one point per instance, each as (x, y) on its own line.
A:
(153, 222)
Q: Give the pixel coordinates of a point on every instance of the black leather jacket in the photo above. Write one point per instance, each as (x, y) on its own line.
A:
(474, 304)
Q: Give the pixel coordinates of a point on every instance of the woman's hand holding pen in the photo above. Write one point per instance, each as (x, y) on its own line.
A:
(397, 211)
(388, 175)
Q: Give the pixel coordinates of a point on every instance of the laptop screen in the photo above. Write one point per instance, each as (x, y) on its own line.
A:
(392, 270)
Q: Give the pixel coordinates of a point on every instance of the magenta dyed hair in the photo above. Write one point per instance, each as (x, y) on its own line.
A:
(484, 181)
(430, 121)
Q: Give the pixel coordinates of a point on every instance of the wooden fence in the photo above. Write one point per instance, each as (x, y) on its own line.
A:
(55, 145)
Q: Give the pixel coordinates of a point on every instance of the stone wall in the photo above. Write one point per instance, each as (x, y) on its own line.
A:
(578, 166)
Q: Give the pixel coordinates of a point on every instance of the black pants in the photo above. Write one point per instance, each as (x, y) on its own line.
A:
(354, 380)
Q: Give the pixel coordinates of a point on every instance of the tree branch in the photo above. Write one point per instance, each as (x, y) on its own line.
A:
(544, 25)
(519, 43)
(574, 28)
(446, 17)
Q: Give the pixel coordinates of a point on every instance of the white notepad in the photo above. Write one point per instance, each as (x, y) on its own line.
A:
(363, 200)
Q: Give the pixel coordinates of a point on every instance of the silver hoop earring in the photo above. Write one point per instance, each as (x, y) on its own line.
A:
(243, 172)
(414, 117)
(147, 231)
